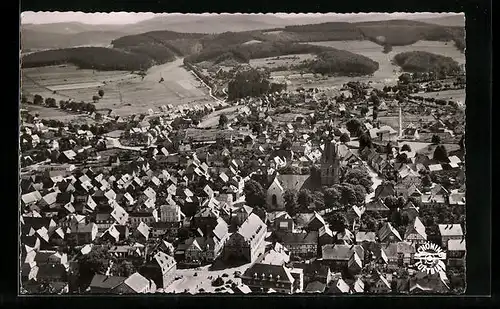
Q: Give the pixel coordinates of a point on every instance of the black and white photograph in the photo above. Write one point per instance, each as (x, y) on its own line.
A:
(283, 153)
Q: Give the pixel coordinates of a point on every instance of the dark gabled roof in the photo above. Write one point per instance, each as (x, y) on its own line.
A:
(388, 232)
(269, 271)
(315, 287)
(384, 190)
(313, 269)
(106, 282)
(36, 222)
(46, 271)
(103, 217)
(376, 205)
(341, 252)
(298, 238)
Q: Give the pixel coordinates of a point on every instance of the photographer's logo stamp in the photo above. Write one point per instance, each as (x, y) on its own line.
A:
(430, 258)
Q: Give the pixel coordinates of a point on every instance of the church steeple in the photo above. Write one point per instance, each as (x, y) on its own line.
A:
(330, 163)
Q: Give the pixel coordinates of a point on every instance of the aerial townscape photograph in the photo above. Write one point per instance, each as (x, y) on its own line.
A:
(304, 153)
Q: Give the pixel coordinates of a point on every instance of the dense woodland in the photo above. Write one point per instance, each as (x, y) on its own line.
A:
(98, 58)
(420, 61)
(329, 60)
(341, 62)
(140, 51)
(244, 52)
(251, 83)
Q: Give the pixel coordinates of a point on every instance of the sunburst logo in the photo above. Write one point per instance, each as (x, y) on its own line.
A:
(430, 258)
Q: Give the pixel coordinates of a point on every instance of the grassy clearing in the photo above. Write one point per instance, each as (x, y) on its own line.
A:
(453, 95)
(285, 60)
(125, 93)
(387, 72)
(58, 114)
(393, 121)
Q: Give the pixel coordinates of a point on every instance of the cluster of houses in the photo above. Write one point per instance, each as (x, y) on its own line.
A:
(177, 199)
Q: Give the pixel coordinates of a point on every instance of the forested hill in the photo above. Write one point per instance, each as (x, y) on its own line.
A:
(420, 61)
(384, 33)
(162, 46)
(99, 58)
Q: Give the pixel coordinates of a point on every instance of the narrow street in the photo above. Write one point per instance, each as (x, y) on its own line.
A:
(377, 180)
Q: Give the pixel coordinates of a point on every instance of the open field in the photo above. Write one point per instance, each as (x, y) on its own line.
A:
(453, 95)
(387, 72)
(58, 114)
(285, 60)
(393, 121)
(124, 93)
(212, 120)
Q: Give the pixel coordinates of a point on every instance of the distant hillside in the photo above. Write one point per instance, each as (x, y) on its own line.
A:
(60, 35)
(420, 61)
(179, 43)
(70, 28)
(32, 39)
(98, 58)
(210, 24)
(329, 60)
(298, 29)
(390, 32)
(403, 32)
(448, 21)
(161, 46)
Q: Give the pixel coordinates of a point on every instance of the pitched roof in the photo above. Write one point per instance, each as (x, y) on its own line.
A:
(120, 215)
(456, 245)
(376, 205)
(137, 282)
(340, 286)
(144, 229)
(299, 238)
(325, 230)
(416, 227)
(221, 229)
(383, 279)
(268, 271)
(106, 282)
(355, 260)
(317, 216)
(359, 286)
(341, 252)
(365, 236)
(251, 226)
(315, 287)
(387, 231)
(278, 255)
(450, 230)
(31, 197)
(457, 198)
(293, 182)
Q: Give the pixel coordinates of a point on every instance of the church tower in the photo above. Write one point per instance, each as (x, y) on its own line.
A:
(330, 168)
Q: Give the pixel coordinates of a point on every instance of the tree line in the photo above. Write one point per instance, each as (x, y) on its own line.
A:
(98, 58)
(420, 61)
(251, 83)
(329, 61)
